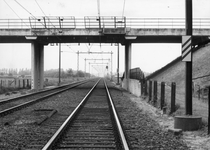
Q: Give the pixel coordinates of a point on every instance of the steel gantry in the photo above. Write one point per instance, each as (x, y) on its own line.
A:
(78, 52)
(94, 60)
(99, 64)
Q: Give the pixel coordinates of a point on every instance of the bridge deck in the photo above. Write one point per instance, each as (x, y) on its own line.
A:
(99, 30)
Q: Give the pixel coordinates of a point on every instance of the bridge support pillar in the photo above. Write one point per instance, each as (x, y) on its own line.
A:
(127, 65)
(37, 66)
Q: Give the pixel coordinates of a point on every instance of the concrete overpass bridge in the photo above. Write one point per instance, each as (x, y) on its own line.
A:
(46, 30)
(41, 31)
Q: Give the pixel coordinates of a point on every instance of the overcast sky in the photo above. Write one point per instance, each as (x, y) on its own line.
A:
(149, 57)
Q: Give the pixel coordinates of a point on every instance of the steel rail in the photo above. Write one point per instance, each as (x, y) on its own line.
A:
(63, 127)
(119, 126)
(23, 105)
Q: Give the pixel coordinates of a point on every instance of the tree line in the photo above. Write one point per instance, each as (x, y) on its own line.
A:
(47, 73)
(65, 73)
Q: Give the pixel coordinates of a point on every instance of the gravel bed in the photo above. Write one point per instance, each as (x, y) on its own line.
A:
(141, 130)
(19, 131)
(25, 99)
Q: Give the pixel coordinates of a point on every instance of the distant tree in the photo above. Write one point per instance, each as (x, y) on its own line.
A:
(80, 73)
(70, 72)
(24, 72)
(10, 74)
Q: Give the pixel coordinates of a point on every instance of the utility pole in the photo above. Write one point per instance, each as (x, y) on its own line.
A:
(94, 59)
(188, 75)
(102, 64)
(118, 63)
(89, 70)
(111, 65)
(77, 61)
(99, 15)
(85, 65)
(59, 70)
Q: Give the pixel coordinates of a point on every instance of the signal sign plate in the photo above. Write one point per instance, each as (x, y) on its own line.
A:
(186, 48)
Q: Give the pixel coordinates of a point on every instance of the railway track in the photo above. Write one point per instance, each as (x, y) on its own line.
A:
(10, 105)
(94, 124)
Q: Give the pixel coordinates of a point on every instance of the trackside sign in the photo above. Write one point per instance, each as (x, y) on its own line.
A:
(186, 48)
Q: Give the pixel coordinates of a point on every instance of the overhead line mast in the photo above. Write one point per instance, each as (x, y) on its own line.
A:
(98, 2)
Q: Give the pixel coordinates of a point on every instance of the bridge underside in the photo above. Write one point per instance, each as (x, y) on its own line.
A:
(101, 39)
(117, 35)
(91, 39)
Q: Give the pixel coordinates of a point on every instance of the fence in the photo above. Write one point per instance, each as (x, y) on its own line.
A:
(161, 95)
(15, 83)
(171, 96)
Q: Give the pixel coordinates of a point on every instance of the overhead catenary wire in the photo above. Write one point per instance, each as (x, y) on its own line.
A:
(25, 9)
(54, 27)
(44, 13)
(123, 9)
(33, 15)
(98, 5)
(16, 13)
(40, 8)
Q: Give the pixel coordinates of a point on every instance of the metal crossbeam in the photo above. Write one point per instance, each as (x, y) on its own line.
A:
(94, 52)
(97, 59)
(98, 63)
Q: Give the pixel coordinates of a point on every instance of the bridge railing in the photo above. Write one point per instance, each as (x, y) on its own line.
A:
(87, 22)
(14, 23)
(52, 22)
(105, 22)
(166, 23)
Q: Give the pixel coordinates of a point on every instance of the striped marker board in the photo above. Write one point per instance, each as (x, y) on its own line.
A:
(186, 48)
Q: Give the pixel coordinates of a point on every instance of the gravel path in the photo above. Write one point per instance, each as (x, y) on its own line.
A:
(142, 131)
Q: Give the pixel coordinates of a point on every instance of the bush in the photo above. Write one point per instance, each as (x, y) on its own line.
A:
(7, 89)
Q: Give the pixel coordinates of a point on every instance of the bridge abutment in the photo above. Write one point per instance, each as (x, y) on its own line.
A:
(126, 80)
(37, 65)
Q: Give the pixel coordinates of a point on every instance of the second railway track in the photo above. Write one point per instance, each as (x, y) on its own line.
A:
(94, 124)
(13, 104)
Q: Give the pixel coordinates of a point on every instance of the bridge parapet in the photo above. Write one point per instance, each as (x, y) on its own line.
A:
(98, 29)
(87, 22)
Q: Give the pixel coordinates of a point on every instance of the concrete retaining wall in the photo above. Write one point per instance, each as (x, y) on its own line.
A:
(134, 86)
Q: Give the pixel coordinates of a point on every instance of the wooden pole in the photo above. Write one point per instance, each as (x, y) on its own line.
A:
(162, 96)
(173, 97)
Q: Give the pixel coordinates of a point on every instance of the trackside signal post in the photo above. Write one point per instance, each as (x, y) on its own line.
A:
(188, 76)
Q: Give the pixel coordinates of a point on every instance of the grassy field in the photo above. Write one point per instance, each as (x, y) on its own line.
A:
(47, 82)
(201, 67)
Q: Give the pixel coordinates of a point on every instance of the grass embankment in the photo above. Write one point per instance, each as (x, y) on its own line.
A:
(4, 90)
(176, 73)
